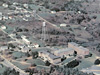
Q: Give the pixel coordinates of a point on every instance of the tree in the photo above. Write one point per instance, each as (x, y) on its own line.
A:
(63, 58)
(63, 8)
(94, 17)
(8, 71)
(47, 63)
(33, 65)
(55, 9)
(11, 45)
(31, 72)
(52, 69)
(89, 55)
(73, 64)
(27, 54)
(91, 73)
(97, 62)
(75, 53)
(34, 55)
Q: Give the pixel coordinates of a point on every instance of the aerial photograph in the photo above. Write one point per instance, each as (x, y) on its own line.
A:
(49, 37)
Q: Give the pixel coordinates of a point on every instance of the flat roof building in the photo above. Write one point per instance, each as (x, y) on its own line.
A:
(65, 51)
(50, 57)
(79, 49)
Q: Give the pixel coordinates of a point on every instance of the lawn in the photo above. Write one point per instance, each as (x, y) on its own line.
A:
(20, 65)
(39, 67)
(18, 54)
(2, 68)
(87, 62)
(36, 61)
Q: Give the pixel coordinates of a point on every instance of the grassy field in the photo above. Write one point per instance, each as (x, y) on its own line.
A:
(20, 65)
(18, 54)
(2, 68)
(87, 62)
(36, 61)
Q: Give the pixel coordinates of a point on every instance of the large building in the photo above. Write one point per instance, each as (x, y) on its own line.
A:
(79, 49)
(50, 57)
(65, 51)
(56, 55)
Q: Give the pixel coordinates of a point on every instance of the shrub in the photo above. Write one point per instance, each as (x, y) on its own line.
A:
(47, 63)
(97, 62)
(73, 64)
(90, 54)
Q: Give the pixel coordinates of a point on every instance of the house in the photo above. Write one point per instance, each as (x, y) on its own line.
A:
(36, 45)
(65, 51)
(10, 17)
(30, 45)
(3, 27)
(12, 35)
(27, 15)
(3, 48)
(5, 17)
(50, 57)
(79, 49)
(15, 3)
(25, 49)
(5, 5)
(63, 25)
(53, 12)
(25, 5)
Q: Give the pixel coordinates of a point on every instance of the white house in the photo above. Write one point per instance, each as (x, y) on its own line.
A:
(5, 17)
(5, 5)
(63, 25)
(53, 12)
(36, 45)
(15, 3)
(25, 5)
